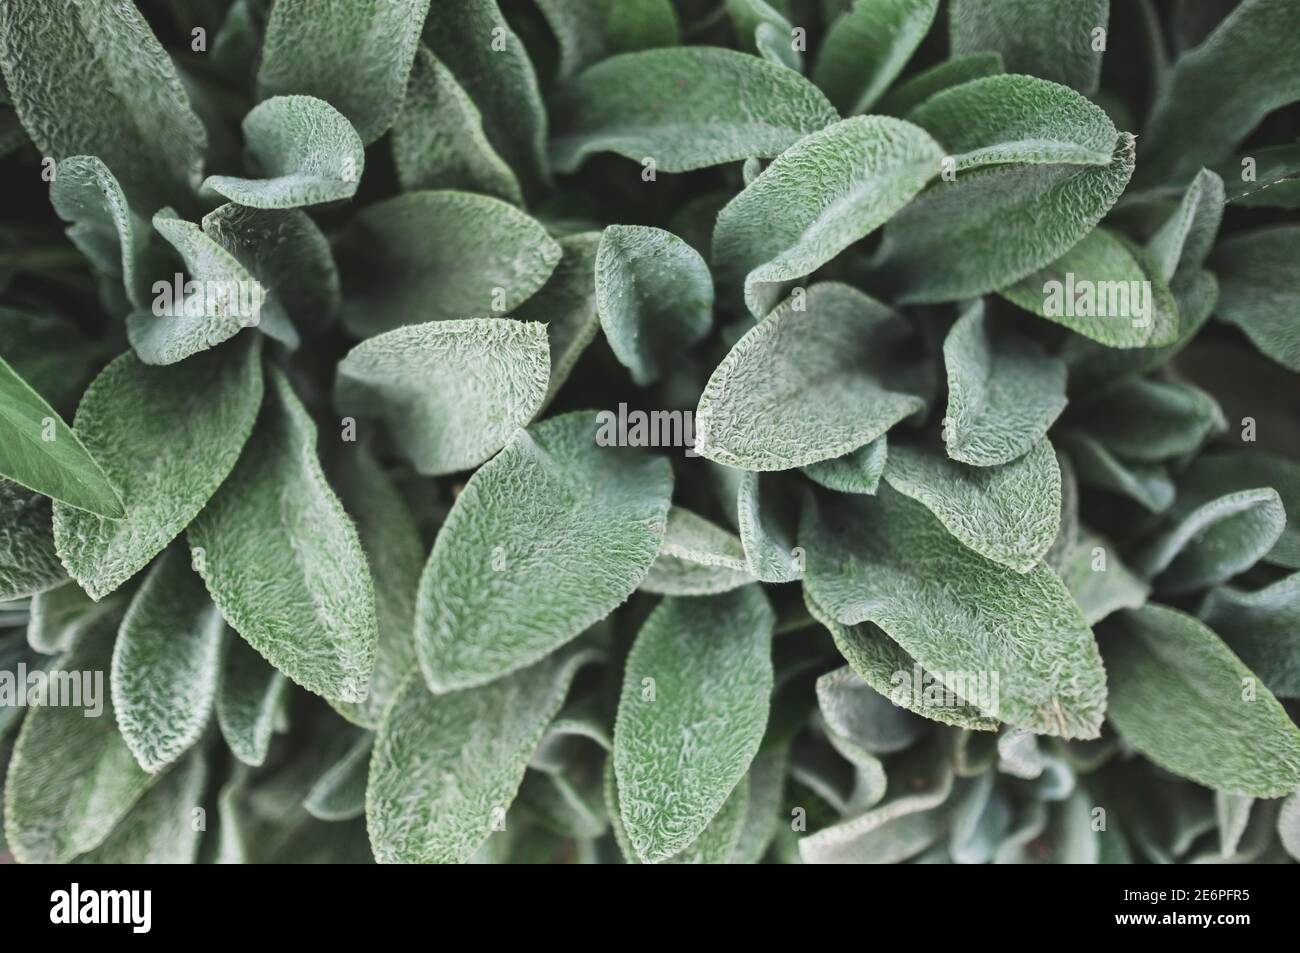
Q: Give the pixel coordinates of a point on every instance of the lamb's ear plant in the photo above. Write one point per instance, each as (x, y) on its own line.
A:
(650, 431)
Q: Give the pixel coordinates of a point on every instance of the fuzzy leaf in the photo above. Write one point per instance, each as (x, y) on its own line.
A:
(804, 385)
(553, 504)
(696, 558)
(28, 562)
(451, 393)
(1263, 629)
(1217, 474)
(165, 661)
(590, 30)
(304, 151)
(92, 80)
(682, 746)
(914, 90)
(1003, 392)
(355, 56)
(686, 108)
(1048, 38)
(566, 304)
(1098, 581)
(766, 514)
(61, 615)
(303, 599)
(1149, 420)
(483, 737)
(887, 560)
(1204, 728)
(1187, 236)
(654, 295)
(1259, 289)
(410, 259)
(166, 437)
(1147, 483)
(819, 197)
(858, 471)
(160, 828)
(867, 47)
(438, 139)
(340, 793)
(249, 698)
(995, 225)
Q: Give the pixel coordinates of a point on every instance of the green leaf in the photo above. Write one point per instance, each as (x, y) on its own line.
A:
(1214, 475)
(71, 777)
(249, 698)
(1103, 288)
(818, 198)
(1022, 119)
(50, 354)
(317, 624)
(94, 81)
(766, 515)
(686, 108)
(762, 28)
(28, 562)
(340, 793)
(162, 828)
(766, 783)
(858, 471)
(1147, 420)
(566, 304)
(696, 558)
(61, 615)
(911, 92)
(590, 30)
(304, 151)
(1008, 514)
(654, 295)
(451, 393)
(482, 737)
(355, 56)
(1147, 483)
(395, 553)
(1270, 180)
(42, 453)
(410, 259)
(101, 223)
(1288, 825)
(1207, 726)
(167, 437)
(867, 47)
(1003, 391)
(854, 711)
(696, 692)
(1198, 117)
(489, 60)
(995, 225)
(1187, 236)
(590, 518)
(1263, 629)
(1096, 578)
(438, 140)
(1048, 38)
(1259, 289)
(887, 560)
(165, 661)
(884, 665)
(804, 384)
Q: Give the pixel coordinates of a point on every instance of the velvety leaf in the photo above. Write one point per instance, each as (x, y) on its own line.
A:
(696, 691)
(654, 295)
(1008, 514)
(166, 437)
(887, 560)
(410, 259)
(483, 737)
(1147, 483)
(1049, 38)
(1270, 180)
(590, 30)
(911, 92)
(1021, 119)
(853, 710)
(765, 30)
(165, 662)
(49, 354)
(867, 47)
(304, 151)
(858, 471)
(1187, 236)
(804, 385)
(62, 614)
(818, 198)
(566, 304)
(766, 515)
(1003, 392)
(451, 393)
(1216, 474)
(162, 827)
(1098, 581)
(355, 56)
(1263, 629)
(553, 505)
(1288, 825)
(94, 81)
(1218, 92)
(249, 698)
(696, 558)
(1258, 289)
(282, 559)
(28, 562)
(995, 225)
(763, 806)
(1205, 726)
(71, 777)
(438, 139)
(686, 108)
(1148, 420)
(340, 793)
